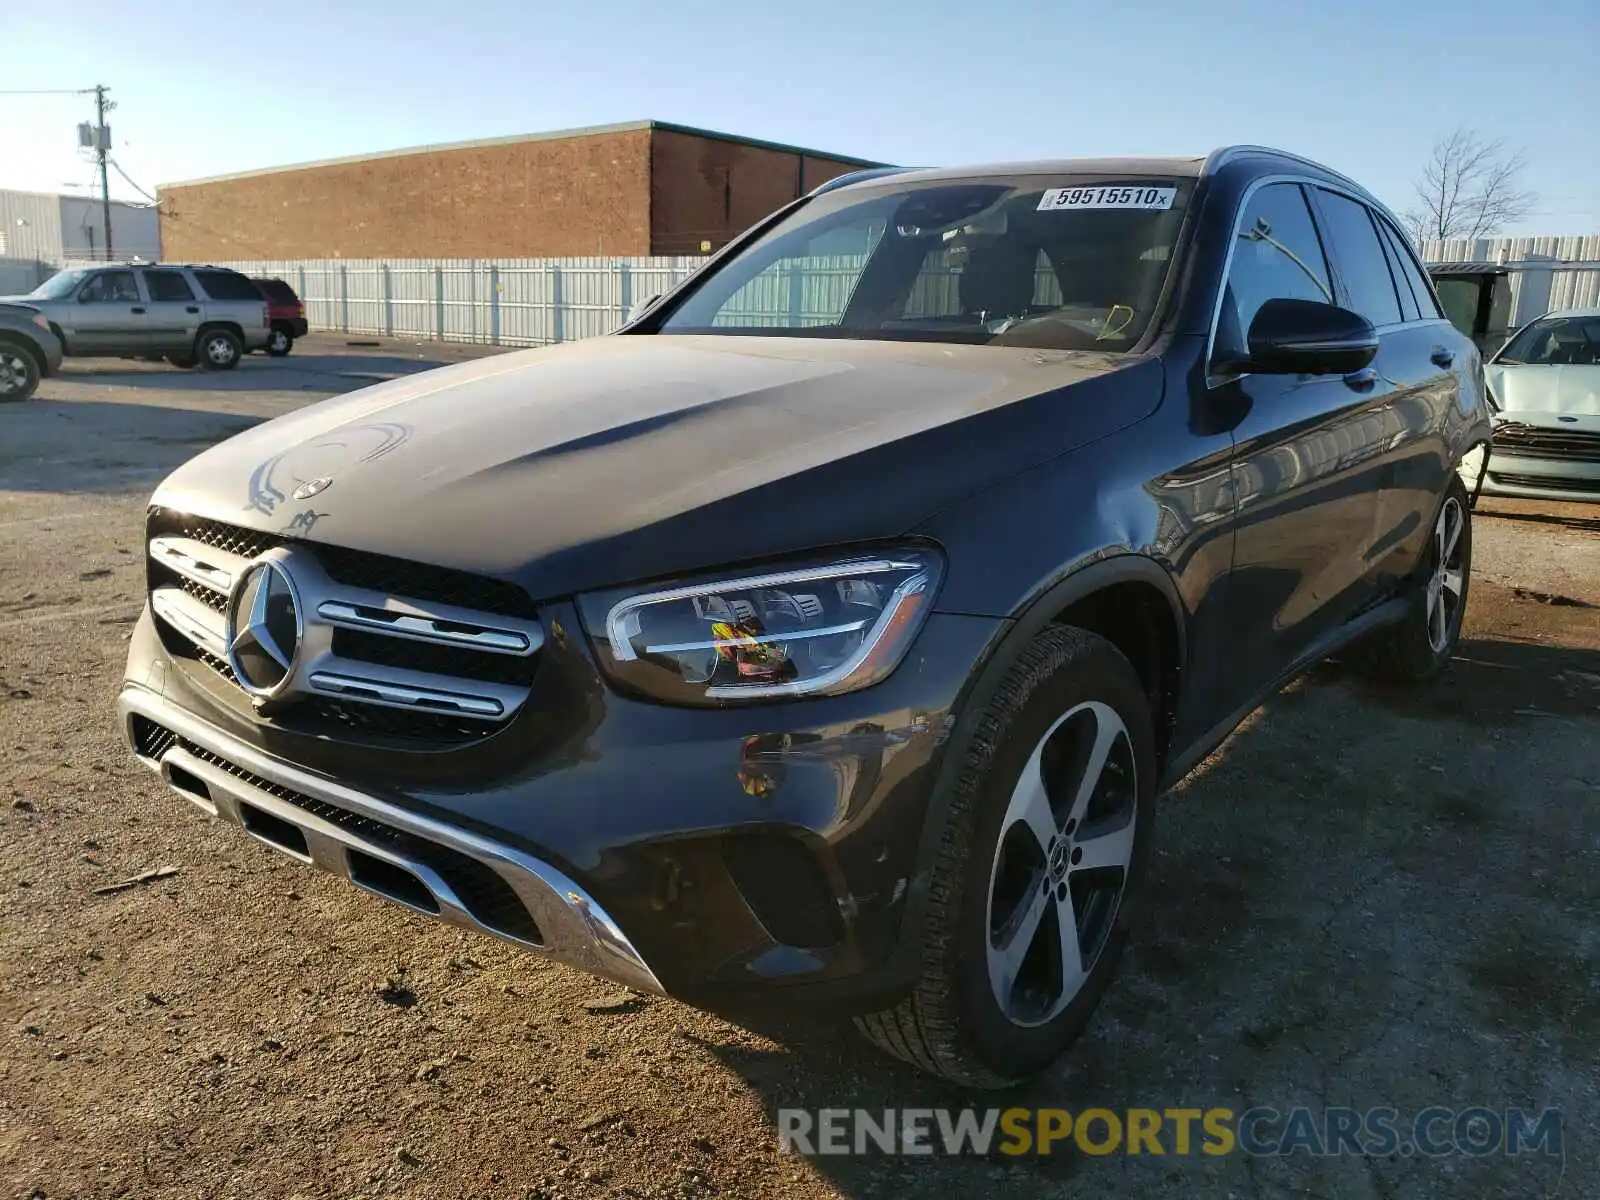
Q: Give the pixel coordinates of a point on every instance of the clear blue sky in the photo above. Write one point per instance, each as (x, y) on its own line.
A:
(206, 87)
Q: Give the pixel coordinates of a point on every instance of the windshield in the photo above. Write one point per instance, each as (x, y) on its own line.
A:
(59, 286)
(1555, 341)
(1045, 262)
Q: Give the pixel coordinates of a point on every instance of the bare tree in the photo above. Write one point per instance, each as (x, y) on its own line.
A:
(1469, 188)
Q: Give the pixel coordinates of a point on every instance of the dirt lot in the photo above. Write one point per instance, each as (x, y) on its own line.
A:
(1365, 898)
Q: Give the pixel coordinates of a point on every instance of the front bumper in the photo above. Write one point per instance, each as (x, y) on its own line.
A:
(733, 858)
(423, 864)
(1542, 478)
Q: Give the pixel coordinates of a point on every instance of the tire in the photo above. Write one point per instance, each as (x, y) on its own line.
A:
(279, 343)
(1416, 648)
(19, 371)
(218, 349)
(186, 362)
(986, 1010)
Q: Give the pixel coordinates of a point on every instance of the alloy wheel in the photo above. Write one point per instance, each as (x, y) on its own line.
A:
(219, 350)
(1448, 581)
(14, 374)
(1061, 864)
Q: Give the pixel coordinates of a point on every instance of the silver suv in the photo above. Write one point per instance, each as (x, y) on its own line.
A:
(189, 315)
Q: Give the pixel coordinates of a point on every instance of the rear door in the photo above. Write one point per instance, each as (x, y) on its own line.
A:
(1304, 470)
(173, 311)
(110, 315)
(1420, 356)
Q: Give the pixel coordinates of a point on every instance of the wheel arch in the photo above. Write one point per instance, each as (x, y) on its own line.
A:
(232, 327)
(1114, 596)
(28, 346)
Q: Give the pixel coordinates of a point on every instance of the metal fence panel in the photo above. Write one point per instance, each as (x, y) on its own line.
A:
(536, 302)
(509, 301)
(1572, 280)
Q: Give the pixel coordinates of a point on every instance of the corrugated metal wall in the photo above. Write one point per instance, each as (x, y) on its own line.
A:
(1534, 290)
(30, 225)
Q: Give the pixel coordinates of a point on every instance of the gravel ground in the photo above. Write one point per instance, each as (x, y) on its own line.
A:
(1364, 898)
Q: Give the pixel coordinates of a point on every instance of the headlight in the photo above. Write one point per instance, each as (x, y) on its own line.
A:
(810, 629)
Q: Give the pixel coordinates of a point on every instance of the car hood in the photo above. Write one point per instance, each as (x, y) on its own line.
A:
(1521, 388)
(629, 457)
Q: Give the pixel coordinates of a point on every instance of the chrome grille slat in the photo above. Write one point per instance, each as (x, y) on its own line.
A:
(196, 564)
(427, 623)
(192, 617)
(397, 694)
(209, 566)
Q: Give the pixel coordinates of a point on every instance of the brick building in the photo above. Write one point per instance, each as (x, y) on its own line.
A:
(647, 187)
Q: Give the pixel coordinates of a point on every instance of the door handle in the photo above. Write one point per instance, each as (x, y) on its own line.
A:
(1442, 357)
(138, 308)
(1361, 380)
(193, 308)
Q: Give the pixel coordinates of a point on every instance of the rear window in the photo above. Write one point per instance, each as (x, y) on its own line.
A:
(277, 291)
(227, 285)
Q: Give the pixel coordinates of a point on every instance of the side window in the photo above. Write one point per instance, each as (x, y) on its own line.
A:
(1276, 256)
(227, 285)
(1358, 258)
(110, 287)
(167, 285)
(1427, 306)
(1402, 286)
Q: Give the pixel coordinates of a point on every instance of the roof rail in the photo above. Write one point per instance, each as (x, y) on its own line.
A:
(849, 177)
(1219, 158)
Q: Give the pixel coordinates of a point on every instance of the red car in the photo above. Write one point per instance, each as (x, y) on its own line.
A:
(285, 314)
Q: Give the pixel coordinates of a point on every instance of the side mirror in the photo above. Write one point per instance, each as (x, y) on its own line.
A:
(639, 307)
(1308, 337)
(84, 297)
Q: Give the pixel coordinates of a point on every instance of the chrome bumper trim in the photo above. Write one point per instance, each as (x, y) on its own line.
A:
(573, 928)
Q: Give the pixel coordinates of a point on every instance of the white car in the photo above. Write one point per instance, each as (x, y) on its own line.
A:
(1545, 384)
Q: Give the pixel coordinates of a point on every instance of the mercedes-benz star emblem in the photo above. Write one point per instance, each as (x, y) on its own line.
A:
(263, 628)
(312, 487)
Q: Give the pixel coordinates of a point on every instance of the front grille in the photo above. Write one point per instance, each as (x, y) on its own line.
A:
(1553, 483)
(442, 585)
(1536, 441)
(149, 739)
(390, 654)
(484, 893)
(246, 543)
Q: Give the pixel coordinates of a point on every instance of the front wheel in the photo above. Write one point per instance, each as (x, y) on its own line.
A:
(1050, 821)
(279, 343)
(220, 350)
(1416, 648)
(19, 373)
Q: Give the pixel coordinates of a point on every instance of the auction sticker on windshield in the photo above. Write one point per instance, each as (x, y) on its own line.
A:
(1106, 197)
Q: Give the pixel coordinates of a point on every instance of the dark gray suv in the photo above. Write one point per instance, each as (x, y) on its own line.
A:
(824, 638)
(189, 315)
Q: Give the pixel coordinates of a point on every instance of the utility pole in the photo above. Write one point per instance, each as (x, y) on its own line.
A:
(102, 149)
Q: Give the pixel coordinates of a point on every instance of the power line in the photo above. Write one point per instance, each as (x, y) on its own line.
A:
(154, 202)
(46, 91)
